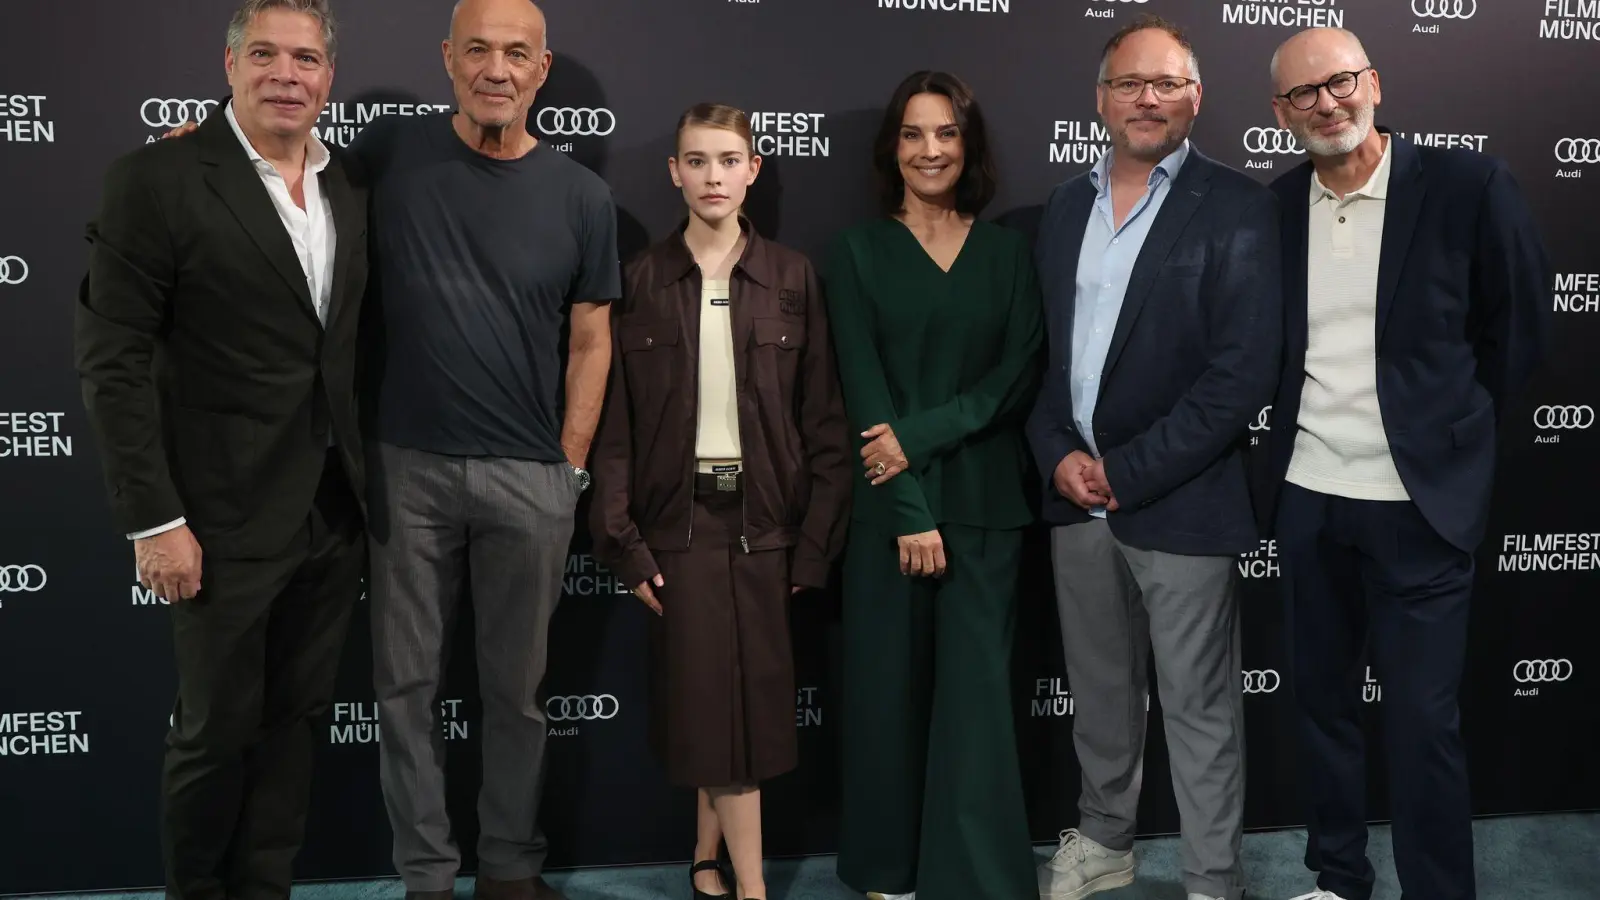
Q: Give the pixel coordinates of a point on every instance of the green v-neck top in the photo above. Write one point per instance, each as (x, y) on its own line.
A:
(951, 360)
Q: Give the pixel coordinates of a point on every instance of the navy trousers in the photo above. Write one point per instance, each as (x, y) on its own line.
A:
(1372, 578)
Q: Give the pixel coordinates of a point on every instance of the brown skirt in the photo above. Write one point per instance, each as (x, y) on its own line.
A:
(722, 670)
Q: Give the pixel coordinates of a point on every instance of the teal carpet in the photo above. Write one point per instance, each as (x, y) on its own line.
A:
(1546, 857)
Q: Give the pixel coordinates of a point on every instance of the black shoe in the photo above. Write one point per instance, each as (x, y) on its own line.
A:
(709, 865)
(430, 895)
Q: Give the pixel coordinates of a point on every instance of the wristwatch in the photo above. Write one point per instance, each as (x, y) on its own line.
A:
(583, 478)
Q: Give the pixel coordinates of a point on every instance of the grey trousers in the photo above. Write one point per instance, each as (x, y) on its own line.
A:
(1116, 604)
(435, 519)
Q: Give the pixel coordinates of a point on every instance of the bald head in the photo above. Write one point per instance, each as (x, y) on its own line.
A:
(471, 12)
(1314, 55)
(497, 57)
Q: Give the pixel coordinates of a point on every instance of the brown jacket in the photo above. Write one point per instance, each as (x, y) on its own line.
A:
(792, 426)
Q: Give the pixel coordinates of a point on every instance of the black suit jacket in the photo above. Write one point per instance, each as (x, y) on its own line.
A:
(211, 386)
(1193, 359)
(1464, 294)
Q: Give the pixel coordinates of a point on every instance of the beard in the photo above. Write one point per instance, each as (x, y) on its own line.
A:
(1150, 146)
(1338, 145)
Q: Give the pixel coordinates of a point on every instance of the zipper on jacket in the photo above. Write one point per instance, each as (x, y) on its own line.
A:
(738, 408)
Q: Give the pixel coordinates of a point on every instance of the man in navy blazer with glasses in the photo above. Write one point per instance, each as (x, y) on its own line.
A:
(1160, 271)
(1416, 293)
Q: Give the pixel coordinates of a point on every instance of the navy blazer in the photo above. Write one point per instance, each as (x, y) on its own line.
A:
(1193, 359)
(1464, 294)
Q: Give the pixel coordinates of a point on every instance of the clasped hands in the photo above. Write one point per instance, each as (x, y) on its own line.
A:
(1081, 478)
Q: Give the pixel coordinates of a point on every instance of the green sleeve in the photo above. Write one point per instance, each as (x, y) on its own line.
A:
(866, 390)
(1009, 388)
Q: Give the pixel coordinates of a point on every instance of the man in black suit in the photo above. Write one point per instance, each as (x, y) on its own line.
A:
(1163, 300)
(216, 342)
(1416, 291)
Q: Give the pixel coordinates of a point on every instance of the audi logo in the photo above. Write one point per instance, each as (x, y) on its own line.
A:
(1563, 417)
(21, 579)
(581, 121)
(1445, 9)
(1261, 681)
(1271, 140)
(1263, 420)
(1537, 670)
(172, 113)
(587, 708)
(13, 270)
(1578, 150)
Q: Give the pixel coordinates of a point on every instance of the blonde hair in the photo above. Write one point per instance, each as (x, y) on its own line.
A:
(717, 115)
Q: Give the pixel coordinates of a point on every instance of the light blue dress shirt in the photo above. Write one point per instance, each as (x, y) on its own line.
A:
(1105, 264)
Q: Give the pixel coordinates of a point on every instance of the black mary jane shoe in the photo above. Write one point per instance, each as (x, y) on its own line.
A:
(709, 865)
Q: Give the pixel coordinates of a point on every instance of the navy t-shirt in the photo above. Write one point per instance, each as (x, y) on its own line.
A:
(476, 263)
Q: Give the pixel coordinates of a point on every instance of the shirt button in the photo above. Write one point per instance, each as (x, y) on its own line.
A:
(1115, 240)
(1098, 330)
(784, 339)
(649, 341)
(1108, 284)
(1341, 220)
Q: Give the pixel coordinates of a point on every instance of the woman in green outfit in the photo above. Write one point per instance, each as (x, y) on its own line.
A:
(937, 321)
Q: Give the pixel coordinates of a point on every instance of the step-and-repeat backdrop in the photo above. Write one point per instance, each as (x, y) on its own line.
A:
(86, 678)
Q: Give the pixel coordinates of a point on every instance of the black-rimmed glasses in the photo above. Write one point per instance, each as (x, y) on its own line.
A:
(1339, 87)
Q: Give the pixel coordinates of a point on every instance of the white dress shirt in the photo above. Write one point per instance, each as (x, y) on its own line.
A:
(1341, 446)
(310, 230)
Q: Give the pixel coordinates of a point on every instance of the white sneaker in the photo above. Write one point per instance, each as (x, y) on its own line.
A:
(1319, 895)
(878, 895)
(1081, 867)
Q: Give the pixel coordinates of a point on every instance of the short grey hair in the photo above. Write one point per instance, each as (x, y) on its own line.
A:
(316, 9)
(1150, 22)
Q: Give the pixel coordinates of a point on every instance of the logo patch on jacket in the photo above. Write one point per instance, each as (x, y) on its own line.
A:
(790, 304)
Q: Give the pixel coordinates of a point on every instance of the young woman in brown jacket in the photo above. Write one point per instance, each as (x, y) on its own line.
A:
(722, 485)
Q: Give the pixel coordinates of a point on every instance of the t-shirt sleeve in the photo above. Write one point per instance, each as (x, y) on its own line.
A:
(600, 278)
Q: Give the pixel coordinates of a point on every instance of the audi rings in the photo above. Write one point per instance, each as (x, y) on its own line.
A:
(1530, 671)
(22, 579)
(13, 270)
(1263, 420)
(587, 708)
(1549, 417)
(172, 113)
(1261, 681)
(576, 122)
(1271, 140)
(1578, 150)
(1445, 9)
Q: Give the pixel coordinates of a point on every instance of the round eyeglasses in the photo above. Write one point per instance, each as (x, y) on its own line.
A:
(1339, 87)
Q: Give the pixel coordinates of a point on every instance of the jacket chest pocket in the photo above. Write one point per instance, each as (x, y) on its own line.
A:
(774, 357)
(650, 355)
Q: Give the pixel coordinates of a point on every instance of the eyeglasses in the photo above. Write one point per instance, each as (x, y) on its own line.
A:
(1130, 89)
(1339, 87)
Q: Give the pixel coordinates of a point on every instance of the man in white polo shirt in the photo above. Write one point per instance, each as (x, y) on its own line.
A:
(1415, 293)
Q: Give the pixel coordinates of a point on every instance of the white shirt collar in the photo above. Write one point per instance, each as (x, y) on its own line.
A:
(317, 155)
(1376, 188)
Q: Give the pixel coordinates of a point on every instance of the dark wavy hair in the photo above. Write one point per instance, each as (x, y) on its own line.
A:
(977, 184)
